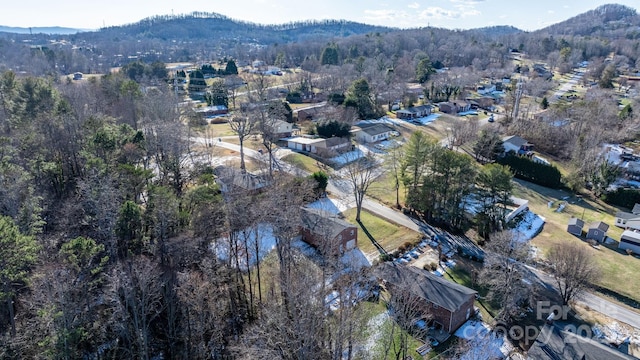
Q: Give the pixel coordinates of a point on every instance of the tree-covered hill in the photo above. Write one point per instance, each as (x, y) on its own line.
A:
(202, 25)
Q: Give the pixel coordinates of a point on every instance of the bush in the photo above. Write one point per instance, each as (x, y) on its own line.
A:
(529, 170)
(433, 266)
(622, 197)
(629, 252)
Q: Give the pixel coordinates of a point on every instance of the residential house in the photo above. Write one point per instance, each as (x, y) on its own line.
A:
(333, 146)
(628, 220)
(554, 343)
(370, 133)
(77, 76)
(445, 304)
(231, 179)
(484, 102)
(486, 89)
(597, 231)
(516, 144)
(414, 112)
(282, 129)
(575, 226)
(454, 107)
(213, 110)
(630, 240)
(322, 147)
(327, 232)
(314, 113)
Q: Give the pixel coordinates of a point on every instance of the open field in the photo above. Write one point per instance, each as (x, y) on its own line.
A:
(619, 270)
(389, 235)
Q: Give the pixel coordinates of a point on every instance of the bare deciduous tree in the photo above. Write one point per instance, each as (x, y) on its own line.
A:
(503, 275)
(360, 174)
(573, 269)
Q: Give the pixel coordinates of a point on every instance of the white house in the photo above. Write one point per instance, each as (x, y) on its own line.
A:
(630, 220)
(282, 129)
(516, 144)
(630, 240)
(370, 133)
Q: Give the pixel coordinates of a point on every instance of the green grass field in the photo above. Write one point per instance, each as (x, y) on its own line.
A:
(389, 235)
(302, 162)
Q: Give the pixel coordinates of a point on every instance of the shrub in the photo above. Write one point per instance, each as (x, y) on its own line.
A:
(433, 266)
(629, 252)
(529, 170)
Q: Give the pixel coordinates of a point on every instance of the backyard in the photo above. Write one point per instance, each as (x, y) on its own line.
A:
(618, 269)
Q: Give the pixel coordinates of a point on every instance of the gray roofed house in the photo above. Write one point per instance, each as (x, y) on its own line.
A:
(575, 226)
(414, 112)
(630, 240)
(553, 343)
(370, 133)
(517, 144)
(597, 231)
(629, 220)
(449, 304)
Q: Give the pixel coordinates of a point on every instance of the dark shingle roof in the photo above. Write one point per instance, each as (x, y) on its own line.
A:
(553, 344)
(323, 223)
(515, 140)
(424, 284)
(375, 129)
(626, 216)
(602, 226)
(576, 221)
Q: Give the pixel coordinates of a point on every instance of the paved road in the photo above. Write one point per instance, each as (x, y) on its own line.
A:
(573, 81)
(594, 302)
(340, 190)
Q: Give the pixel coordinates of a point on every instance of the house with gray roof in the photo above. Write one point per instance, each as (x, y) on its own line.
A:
(554, 343)
(370, 133)
(516, 144)
(629, 220)
(446, 304)
(327, 232)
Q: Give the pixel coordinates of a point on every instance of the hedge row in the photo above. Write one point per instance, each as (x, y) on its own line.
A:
(535, 172)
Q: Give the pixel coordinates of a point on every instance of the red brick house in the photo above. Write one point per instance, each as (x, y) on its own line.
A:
(327, 232)
(447, 304)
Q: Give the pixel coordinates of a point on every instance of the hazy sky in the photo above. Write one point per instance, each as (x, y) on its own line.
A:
(453, 14)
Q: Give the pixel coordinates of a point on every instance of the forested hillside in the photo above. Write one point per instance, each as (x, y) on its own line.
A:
(117, 240)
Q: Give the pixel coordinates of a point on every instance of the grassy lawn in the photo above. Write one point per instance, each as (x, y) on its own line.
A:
(302, 162)
(219, 130)
(371, 310)
(389, 235)
(618, 269)
(384, 190)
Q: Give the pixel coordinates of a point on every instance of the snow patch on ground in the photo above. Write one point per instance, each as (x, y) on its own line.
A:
(483, 343)
(331, 206)
(374, 327)
(427, 119)
(347, 157)
(260, 237)
(529, 226)
(616, 333)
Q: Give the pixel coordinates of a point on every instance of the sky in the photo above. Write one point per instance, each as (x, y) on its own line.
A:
(452, 14)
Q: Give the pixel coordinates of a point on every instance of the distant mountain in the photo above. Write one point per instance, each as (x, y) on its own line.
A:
(207, 26)
(55, 30)
(610, 19)
(497, 30)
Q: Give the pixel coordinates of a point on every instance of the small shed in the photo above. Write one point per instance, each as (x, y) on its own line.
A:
(575, 226)
(597, 231)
